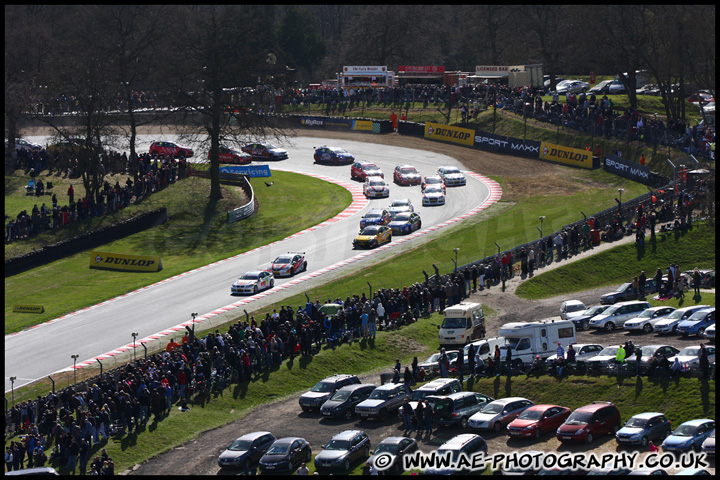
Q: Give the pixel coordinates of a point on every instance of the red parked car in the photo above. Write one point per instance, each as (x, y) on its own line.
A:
(585, 423)
(538, 420)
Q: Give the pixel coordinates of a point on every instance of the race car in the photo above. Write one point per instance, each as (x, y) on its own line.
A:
(170, 149)
(452, 176)
(433, 195)
(373, 236)
(288, 264)
(404, 223)
(375, 187)
(231, 155)
(333, 156)
(253, 282)
(363, 170)
(401, 205)
(433, 180)
(265, 151)
(375, 217)
(406, 175)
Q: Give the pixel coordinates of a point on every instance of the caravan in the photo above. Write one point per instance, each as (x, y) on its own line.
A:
(528, 339)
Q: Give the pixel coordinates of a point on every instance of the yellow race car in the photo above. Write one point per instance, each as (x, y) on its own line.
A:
(372, 236)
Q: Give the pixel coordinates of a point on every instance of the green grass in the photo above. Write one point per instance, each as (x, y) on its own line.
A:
(194, 236)
(695, 248)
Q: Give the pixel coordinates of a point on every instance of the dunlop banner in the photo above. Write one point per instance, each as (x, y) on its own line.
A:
(566, 155)
(28, 308)
(445, 133)
(366, 125)
(131, 263)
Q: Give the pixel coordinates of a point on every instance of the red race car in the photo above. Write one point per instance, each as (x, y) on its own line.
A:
(362, 170)
(231, 155)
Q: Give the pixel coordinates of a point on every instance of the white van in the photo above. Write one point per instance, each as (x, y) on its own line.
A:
(528, 339)
(485, 347)
(462, 324)
(571, 306)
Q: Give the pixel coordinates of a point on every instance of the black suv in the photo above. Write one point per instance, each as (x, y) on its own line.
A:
(342, 450)
(323, 390)
(343, 402)
(246, 450)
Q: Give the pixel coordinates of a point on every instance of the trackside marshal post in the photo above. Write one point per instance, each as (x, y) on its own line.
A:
(130, 263)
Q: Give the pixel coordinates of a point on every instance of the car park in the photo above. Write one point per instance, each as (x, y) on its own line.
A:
(285, 455)
(246, 450)
(406, 175)
(375, 187)
(455, 409)
(547, 83)
(582, 319)
(583, 351)
(570, 308)
(644, 428)
(452, 176)
(498, 413)
(537, 420)
(265, 151)
(231, 155)
(626, 292)
(376, 216)
(669, 324)
(324, 389)
(615, 316)
(169, 149)
(707, 277)
(253, 282)
(397, 448)
(483, 347)
(697, 322)
(708, 445)
(433, 180)
(645, 322)
(605, 358)
(400, 205)
(384, 400)
(586, 423)
(466, 443)
(343, 450)
(343, 402)
(373, 236)
(433, 195)
(650, 351)
(689, 435)
(333, 156)
(435, 388)
(405, 222)
(362, 170)
(690, 355)
(288, 264)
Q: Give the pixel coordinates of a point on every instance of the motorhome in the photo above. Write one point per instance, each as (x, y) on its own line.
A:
(462, 324)
(529, 339)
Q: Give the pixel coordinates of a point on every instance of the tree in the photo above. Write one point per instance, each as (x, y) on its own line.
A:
(300, 40)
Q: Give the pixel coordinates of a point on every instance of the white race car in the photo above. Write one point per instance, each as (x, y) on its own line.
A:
(452, 176)
(288, 264)
(253, 282)
(433, 195)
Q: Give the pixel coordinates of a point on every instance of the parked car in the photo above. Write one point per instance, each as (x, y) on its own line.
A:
(397, 448)
(710, 333)
(650, 351)
(430, 366)
(22, 144)
(603, 359)
(573, 86)
(616, 87)
(690, 355)
(583, 351)
(537, 420)
(600, 88)
(383, 400)
(406, 175)
(265, 151)
(285, 455)
(343, 449)
(708, 446)
(375, 187)
(582, 319)
(332, 156)
(645, 322)
(649, 471)
(669, 324)
(689, 435)
(697, 322)
(626, 292)
(707, 278)
(362, 170)
(455, 409)
(643, 428)
(570, 308)
(343, 402)
(498, 413)
(585, 423)
(465, 443)
(615, 316)
(246, 450)
(434, 388)
(324, 389)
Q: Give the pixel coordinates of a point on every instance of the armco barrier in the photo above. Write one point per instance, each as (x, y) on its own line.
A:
(86, 241)
(241, 181)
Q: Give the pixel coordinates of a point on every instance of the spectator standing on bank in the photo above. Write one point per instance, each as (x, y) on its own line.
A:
(641, 281)
(71, 193)
(697, 279)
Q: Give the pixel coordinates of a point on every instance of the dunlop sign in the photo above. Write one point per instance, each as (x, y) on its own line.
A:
(445, 133)
(130, 263)
(566, 155)
(28, 308)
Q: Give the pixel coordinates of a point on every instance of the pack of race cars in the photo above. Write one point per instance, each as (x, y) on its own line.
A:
(377, 226)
